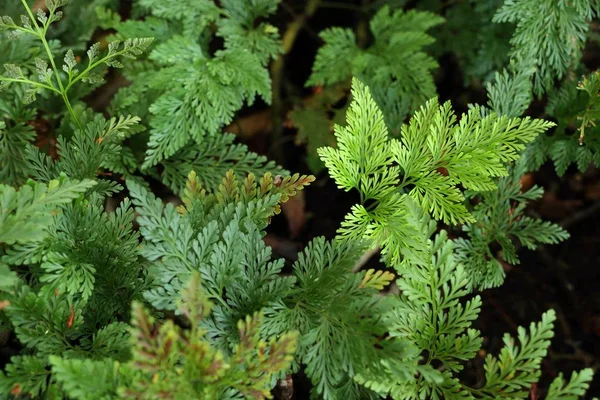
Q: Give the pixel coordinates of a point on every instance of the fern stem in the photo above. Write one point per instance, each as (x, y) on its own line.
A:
(42, 35)
(28, 82)
(91, 66)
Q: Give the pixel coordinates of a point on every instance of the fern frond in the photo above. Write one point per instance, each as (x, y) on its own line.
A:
(501, 219)
(13, 156)
(25, 375)
(572, 389)
(471, 152)
(565, 25)
(27, 212)
(517, 367)
(86, 379)
(395, 66)
(248, 371)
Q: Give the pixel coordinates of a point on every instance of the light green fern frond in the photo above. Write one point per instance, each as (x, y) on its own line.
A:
(501, 219)
(517, 367)
(572, 389)
(434, 155)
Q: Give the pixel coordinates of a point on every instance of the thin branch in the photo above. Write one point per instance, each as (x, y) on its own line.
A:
(580, 216)
(28, 82)
(288, 39)
(367, 255)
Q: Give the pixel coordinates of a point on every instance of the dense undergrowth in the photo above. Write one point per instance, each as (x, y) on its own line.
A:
(134, 261)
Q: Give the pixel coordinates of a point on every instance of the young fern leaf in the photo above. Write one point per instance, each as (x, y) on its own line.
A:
(518, 366)
(434, 155)
(208, 372)
(363, 161)
(573, 389)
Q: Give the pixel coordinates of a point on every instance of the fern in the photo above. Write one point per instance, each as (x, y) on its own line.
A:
(13, 144)
(573, 389)
(27, 213)
(159, 296)
(222, 82)
(557, 51)
(430, 314)
(395, 66)
(86, 379)
(516, 368)
(202, 237)
(338, 315)
(50, 78)
(207, 371)
(511, 91)
(574, 106)
(33, 368)
(168, 359)
(501, 219)
(434, 155)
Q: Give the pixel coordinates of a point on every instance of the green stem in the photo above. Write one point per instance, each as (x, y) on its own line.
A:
(91, 67)
(68, 104)
(22, 29)
(27, 81)
(42, 35)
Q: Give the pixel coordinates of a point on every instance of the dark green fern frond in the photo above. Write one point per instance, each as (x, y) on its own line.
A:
(395, 66)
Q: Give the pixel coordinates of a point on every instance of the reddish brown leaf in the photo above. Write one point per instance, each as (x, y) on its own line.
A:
(71, 316)
(16, 390)
(294, 211)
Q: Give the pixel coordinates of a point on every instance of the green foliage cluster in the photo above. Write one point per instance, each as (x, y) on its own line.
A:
(187, 92)
(394, 64)
(113, 291)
